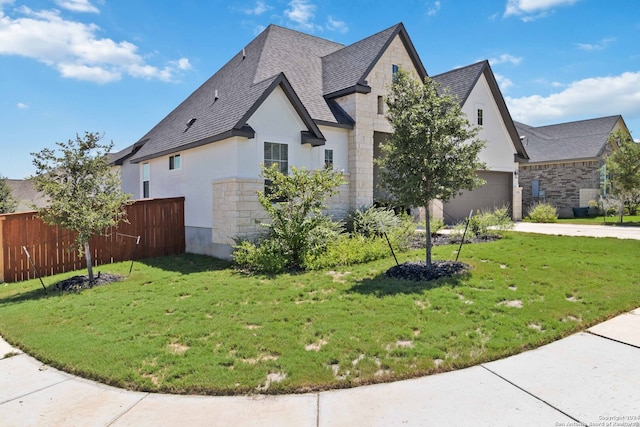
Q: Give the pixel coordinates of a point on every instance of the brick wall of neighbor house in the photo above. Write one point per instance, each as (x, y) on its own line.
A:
(363, 108)
(561, 182)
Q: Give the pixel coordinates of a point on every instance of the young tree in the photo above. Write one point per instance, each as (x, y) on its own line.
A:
(624, 168)
(432, 152)
(84, 195)
(294, 204)
(7, 202)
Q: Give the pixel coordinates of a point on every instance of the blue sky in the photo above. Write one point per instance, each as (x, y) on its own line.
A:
(119, 66)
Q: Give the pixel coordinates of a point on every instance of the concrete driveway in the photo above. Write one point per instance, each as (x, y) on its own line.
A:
(621, 232)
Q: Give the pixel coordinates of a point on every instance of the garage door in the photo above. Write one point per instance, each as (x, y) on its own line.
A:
(495, 193)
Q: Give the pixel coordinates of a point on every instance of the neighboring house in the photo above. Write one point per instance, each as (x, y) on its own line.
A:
(25, 195)
(477, 90)
(566, 162)
(286, 98)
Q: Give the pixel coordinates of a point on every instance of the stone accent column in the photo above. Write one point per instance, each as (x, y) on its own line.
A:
(236, 210)
(516, 205)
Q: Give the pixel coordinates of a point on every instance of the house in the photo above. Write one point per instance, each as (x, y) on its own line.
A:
(25, 195)
(566, 162)
(476, 88)
(286, 98)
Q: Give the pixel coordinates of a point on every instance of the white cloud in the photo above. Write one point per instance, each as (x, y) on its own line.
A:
(336, 25)
(506, 58)
(22, 106)
(595, 46)
(434, 8)
(530, 10)
(75, 50)
(259, 8)
(592, 97)
(503, 82)
(77, 6)
(302, 13)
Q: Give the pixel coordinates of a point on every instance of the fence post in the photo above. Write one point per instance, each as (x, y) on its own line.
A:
(2, 272)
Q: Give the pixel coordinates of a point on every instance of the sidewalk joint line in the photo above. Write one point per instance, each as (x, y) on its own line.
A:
(317, 409)
(134, 404)
(534, 396)
(611, 339)
(34, 391)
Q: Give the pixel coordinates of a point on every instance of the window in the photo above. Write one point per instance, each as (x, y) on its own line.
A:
(275, 154)
(380, 105)
(328, 159)
(480, 116)
(394, 71)
(174, 162)
(145, 181)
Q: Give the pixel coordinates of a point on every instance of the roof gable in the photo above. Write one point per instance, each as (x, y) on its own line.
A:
(582, 139)
(460, 83)
(345, 70)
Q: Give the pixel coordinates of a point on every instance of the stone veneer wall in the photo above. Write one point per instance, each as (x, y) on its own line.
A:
(363, 108)
(561, 182)
(236, 210)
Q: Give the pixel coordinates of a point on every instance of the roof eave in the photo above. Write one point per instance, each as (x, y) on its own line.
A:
(244, 132)
(358, 88)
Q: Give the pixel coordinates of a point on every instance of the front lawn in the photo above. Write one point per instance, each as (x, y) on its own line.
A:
(627, 220)
(191, 324)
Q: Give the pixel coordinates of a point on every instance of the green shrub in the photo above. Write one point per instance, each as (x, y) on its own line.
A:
(350, 250)
(487, 223)
(543, 212)
(435, 225)
(266, 257)
(372, 221)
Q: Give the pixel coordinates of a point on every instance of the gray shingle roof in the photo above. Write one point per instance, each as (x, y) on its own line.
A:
(461, 81)
(583, 139)
(307, 67)
(350, 66)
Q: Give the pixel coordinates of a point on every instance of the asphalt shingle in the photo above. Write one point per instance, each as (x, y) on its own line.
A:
(583, 139)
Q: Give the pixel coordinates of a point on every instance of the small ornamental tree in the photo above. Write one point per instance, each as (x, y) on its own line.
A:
(83, 193)
(624, 168)
(7, 202)
(432, 152)
(294, 204)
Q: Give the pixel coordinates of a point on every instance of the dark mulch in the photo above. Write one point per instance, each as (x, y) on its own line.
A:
(78, 283)
(417, 270)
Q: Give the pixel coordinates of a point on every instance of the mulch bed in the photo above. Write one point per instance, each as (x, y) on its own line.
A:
(417, 270)
(78, 283)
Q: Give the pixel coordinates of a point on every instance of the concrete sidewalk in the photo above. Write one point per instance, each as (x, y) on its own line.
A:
(590, 378)
(621, 232)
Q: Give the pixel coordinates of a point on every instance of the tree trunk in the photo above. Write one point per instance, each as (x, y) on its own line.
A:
(621, 208)
(428, 234)
(87, 255)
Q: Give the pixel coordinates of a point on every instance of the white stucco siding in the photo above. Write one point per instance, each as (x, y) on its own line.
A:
(498, 153)
(277, 121)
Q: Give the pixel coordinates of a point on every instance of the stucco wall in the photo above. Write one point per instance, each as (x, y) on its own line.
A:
(499, 151)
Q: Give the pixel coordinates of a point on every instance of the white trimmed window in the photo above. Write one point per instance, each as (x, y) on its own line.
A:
(174, 162)
(146, 174)
(328, 159)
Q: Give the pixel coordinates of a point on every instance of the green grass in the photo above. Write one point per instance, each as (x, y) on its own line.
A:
(628, 220)
(191, 324)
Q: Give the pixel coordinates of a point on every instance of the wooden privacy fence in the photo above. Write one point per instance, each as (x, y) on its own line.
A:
(158, 222)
